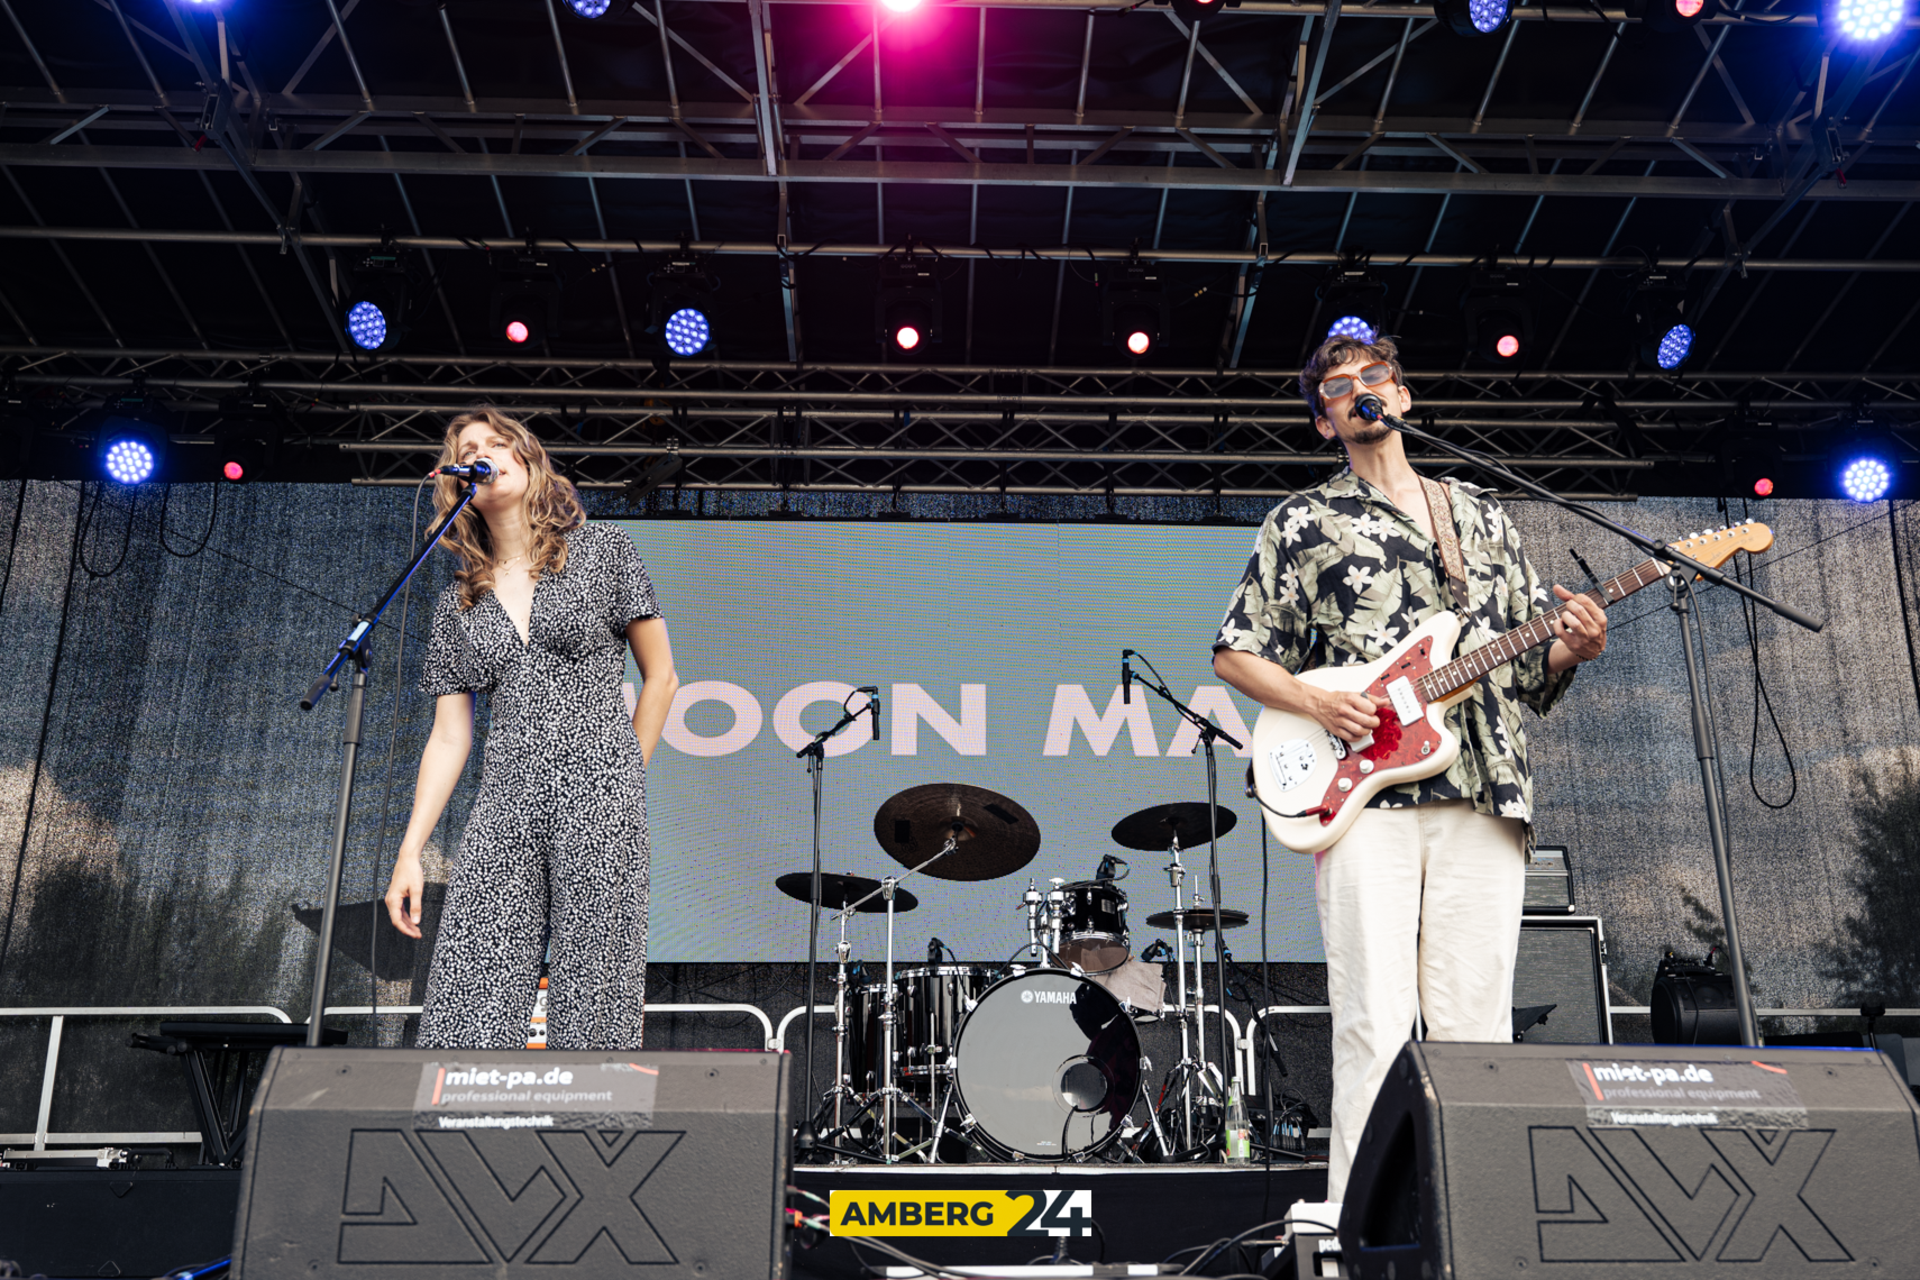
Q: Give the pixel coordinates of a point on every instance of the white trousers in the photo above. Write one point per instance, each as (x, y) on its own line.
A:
(1420, 915)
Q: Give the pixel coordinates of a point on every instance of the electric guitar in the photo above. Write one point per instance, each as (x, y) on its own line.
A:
(1312, 784)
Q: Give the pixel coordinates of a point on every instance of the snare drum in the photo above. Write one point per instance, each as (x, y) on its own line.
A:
(1089, 918)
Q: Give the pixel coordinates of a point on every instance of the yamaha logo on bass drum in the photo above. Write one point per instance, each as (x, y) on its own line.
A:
(1046, 997)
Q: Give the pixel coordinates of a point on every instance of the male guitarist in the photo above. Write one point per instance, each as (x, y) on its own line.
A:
(1420, 901)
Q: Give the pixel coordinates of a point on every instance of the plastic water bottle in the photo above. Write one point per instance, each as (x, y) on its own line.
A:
(1239, 1129)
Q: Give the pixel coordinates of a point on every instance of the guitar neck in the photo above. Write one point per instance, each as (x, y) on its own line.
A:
(1463, 671)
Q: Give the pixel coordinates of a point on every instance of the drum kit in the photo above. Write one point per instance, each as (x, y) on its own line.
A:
(1038, 1058)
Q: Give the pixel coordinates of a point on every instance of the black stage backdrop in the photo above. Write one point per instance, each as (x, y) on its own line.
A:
(165, 808)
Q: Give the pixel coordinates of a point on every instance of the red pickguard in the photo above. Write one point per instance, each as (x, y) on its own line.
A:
(1394, 744)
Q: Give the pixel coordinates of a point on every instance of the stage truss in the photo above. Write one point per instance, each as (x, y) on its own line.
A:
(879, 429)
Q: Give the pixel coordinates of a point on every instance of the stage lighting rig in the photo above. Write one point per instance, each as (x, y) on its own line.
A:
(375, 308)
(1664, 338)
(1474, 17)
(247, 439)
(131, 450)
(1134, 315)
(1866, 21)
(1752, 459)
(680, 311)
(1354, 302)
(524, 310)
(1192, 11)
(1670, 15)
(1499, 316)
(906, 307)
(590, 10)
(1866, 464)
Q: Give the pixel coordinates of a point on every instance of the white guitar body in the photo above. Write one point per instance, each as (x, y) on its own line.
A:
(1301, 769)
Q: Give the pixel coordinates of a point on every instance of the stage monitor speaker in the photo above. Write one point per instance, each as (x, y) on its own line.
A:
(1658, 1160)
(435, 1164)
(1563, 962)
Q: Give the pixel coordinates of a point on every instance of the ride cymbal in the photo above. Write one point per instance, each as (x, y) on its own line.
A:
(1157, 828)
(996, 837)
(838, 892)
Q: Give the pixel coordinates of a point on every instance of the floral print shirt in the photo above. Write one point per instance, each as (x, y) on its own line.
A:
(1341, 565)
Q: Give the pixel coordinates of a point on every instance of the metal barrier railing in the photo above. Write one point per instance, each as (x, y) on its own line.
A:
(41, 1135)
(774, 1041)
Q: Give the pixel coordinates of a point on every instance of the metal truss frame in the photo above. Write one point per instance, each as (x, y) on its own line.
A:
(956, 429)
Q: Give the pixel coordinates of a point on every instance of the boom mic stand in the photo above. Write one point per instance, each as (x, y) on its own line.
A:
(1373, 409)
(1209, 734)
(815, 754)
(355, 648)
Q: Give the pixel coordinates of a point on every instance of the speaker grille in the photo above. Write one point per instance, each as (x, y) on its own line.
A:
(1562, 963)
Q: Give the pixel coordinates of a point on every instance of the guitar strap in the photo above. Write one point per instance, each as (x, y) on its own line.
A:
(1440, 507)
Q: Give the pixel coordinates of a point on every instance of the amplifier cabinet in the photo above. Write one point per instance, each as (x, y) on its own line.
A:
(1515, 1161)
(436, 1164)
(1563, 962)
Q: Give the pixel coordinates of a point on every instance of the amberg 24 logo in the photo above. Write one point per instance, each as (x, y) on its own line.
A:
(1057, 1212)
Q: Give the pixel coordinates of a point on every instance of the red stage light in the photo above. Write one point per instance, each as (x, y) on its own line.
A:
(1508, 346)
(234, 472)
(1138, 341)
(906, 337)
(1688, 8)
(517, 331)
(1763, 487)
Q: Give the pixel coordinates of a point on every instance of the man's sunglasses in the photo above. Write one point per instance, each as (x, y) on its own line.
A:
(1378, 374)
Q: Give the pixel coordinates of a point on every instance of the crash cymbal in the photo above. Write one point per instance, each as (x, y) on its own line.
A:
(1155, 828)
(837, 893)
(997, 836)
(1200, 919)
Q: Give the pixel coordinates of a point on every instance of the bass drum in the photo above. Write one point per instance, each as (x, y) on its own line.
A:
(1047, 1066)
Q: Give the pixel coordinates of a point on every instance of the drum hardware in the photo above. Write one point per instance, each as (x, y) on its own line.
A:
(840, 891)
(982, 835)
(1183, 827)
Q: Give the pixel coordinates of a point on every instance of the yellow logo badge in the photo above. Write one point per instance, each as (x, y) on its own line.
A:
(962, 1213)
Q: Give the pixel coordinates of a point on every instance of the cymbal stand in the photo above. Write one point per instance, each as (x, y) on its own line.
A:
(890, 1091)
(841, 1091)
(1176, 876)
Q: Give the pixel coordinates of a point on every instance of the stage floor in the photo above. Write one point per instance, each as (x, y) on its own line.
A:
(1103, 1212)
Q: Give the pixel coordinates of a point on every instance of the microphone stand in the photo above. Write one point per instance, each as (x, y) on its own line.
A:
(1705, 736)
(1209, 734)
(815, 754)
(355, 648)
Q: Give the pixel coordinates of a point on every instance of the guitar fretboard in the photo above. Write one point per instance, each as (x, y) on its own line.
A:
(1464, 670)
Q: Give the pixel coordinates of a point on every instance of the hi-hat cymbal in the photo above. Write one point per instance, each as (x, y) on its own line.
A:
(996, 836)
(1200, 919)
(837, 892)
(1158, 827)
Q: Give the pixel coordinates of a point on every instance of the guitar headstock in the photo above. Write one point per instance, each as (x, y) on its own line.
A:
(1716, 546)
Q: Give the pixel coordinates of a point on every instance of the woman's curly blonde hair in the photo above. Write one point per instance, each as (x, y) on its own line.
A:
(553, 507)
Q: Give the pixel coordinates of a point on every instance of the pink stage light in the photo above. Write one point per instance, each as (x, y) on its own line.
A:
(516, 331)
(901, 6)
(234, 472)
(1508, 346)
(1138, 341)
(906, 337)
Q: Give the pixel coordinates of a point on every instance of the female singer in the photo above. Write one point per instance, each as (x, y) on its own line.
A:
(538, 616)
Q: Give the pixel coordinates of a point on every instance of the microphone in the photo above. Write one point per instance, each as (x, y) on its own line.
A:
(1126, 677)
(1370, 407)
(1106, 869)
(481, 472)
(934, 948)
(873, 705)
